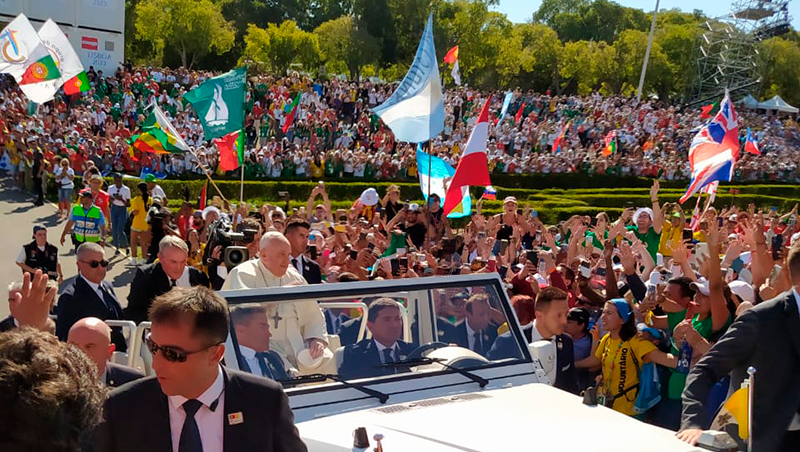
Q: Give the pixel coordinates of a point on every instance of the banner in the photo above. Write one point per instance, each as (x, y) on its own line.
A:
(219, 103)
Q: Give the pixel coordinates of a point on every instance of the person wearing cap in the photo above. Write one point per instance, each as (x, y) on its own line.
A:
(322, 211)
(766, 337)
(620, 355)
(647, 223)
(411, 221)
(505, 222)
(155, 189)
(100, 197)
(366, 205)
(672, 230)
(120, 196)
(40, 255)
(88, 220)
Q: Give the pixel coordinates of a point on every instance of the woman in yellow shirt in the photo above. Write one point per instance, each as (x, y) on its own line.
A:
(140, 230)
(620, 354)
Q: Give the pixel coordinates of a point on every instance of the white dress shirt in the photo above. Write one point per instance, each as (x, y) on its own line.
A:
(382, 347)
(183, 281)
(470, 335)
(299, 266)
(95, 287)
(210, 423)
(249, 356)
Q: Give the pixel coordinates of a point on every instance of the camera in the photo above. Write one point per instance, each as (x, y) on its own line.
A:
(234, 251)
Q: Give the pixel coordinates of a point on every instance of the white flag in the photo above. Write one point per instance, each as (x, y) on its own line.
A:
(65, 57)
(20, 48)
(456, 74)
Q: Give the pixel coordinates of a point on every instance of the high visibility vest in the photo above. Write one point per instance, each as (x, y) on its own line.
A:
(87, 223)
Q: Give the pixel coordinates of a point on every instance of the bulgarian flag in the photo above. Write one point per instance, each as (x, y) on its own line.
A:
(611, 144)
(292, 114)
(231, 150)
(159, 136)
(77, 84)
(473, 167)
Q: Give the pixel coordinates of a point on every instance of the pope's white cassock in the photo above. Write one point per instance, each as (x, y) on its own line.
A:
(295, 323)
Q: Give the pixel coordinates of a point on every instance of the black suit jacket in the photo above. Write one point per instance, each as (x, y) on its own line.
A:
(329, 322)
(348, 331)
(150, 282)
(79, 301)
(766, 337)
(7, 324)
(458, 336)
(362, 360)
(275, 364)
(117, 375)
(505, 347)
(311, 271)
(137, 417)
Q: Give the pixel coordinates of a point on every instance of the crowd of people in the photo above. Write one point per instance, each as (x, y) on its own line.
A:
(336, 135)
(644, 291)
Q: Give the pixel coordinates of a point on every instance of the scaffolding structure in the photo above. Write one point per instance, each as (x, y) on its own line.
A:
(728, 51)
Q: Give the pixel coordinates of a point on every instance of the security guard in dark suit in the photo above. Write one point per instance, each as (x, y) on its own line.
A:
(252, 333)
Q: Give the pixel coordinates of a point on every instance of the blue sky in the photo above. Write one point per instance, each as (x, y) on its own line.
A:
(522, 10)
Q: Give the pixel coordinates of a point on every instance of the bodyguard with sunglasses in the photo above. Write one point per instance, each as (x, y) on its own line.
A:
(194, 404)
(89, 295)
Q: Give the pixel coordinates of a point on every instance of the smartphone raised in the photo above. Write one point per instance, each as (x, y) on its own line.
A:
(395, 267)
(777, 244)
(687, 234)
(503, 271)
(586, 271)
(353, 254)
(403, 263)
(312, 251)
(533, 257)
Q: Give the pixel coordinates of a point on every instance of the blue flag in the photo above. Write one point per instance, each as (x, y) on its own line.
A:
(415, 111)
(506, 103)
(438, 174)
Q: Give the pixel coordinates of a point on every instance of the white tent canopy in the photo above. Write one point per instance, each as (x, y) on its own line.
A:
(776, 103)
(749, 101)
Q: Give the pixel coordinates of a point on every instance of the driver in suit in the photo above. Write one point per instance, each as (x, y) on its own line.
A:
(476, 333)
(363, 359)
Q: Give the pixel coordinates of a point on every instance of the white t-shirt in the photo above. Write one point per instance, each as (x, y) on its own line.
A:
(124, 191)
(64, 181)
(158, 191)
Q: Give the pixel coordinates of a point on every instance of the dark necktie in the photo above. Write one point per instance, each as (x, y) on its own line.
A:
(387, 356)
(294, 263)
(108, 300)
(262, 363)
(477, 346)
(174, 282)
(190, 434)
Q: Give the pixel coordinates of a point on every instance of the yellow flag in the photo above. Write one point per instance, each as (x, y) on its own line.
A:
(734, 411)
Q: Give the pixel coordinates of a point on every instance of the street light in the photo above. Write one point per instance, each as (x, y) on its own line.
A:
(647, 54)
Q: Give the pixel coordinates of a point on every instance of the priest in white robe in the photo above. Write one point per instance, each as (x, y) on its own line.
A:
(295, 326)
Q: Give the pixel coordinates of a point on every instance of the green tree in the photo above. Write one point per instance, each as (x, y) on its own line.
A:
(780, 63)
(549, 9)
(193, 28)
(629, 52)
(376, 18)
(279, 46)
(600, 20)
(342, 40)
(530, 56)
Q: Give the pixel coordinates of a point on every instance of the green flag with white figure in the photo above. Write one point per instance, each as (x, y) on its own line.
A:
(219, 103)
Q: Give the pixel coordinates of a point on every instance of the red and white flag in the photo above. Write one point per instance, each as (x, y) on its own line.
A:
(473, 167)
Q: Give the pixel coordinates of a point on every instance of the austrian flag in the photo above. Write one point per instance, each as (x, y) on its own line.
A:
(473, 167)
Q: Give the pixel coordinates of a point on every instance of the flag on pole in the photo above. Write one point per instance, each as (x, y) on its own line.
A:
(489, 193)
(292, 113)
(751, 145)
(23, 55)
(77, 84)
(733, 413)
(506, 104)
(231, 150)
(610, 147)
(705, 111)
(437, 175)
(473, 167)
(711, 191)
(714, 150)
(560, 138)
(65, 58)
(520, 111)
(456, 74)
(158, 135)
(219, 103)
(415, 111)
(452, 56)
(203, 196)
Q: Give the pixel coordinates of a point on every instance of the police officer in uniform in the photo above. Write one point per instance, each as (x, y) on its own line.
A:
(39, 254)
(88, 220)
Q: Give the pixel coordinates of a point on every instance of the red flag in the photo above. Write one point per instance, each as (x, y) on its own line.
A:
(519, 113)
(203, 196)
(705, 112)
(473, 167)
(231, 150)
(751, 145)
(560, 138)
(452, 55)
(290, 119)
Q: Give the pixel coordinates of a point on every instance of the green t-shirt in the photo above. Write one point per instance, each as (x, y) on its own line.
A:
(677, 380)
(651, 239)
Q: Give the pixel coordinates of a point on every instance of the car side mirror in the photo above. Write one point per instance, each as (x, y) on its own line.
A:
(545, 353)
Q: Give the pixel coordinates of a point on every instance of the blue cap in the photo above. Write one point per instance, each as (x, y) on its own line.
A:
(623, 308)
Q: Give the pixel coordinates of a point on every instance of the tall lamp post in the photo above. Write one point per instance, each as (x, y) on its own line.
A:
(647, 54)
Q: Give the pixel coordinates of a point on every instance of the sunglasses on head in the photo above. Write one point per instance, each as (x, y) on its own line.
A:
(95, 264)
(171, 354)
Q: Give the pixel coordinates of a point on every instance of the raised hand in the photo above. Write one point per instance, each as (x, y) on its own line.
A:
(31, 305)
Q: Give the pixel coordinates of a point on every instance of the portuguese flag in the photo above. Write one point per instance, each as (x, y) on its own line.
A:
(231, 150)
(41, 71)
(77, 84)
(292, 114)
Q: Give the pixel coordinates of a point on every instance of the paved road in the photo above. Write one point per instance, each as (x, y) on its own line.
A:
(17, 217)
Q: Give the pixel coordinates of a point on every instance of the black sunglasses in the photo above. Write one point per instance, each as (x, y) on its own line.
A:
(95, 264)
(171, 354)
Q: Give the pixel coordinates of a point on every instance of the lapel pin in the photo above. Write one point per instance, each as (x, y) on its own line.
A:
(235, 418)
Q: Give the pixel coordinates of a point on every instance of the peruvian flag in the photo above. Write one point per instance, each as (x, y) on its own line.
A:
(473, 167)
(751, 145)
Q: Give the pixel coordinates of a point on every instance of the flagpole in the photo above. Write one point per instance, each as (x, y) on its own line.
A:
(208, 175)
(241, 185)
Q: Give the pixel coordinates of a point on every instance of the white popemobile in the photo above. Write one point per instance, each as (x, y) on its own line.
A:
(440, 396)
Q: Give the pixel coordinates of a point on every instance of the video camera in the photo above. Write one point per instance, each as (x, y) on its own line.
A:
(234, 251)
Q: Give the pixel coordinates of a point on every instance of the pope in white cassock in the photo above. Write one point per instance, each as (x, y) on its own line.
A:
(297, 325)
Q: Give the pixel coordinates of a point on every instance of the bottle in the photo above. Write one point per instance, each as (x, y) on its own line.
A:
(685, 358)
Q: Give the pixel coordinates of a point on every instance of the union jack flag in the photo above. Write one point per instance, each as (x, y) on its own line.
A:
(714, 150)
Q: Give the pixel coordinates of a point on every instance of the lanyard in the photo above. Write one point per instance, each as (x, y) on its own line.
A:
(606, 381)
